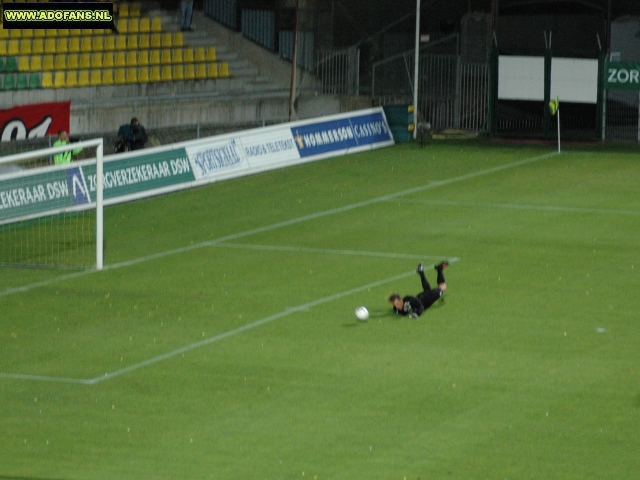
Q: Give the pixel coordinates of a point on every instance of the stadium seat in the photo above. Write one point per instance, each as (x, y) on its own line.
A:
(134, 25)
(21, 81)
(144, 41)
(34, 80)
(25, 46)
(200, 55)
(39, 33)
(224, 70)
(156, 24)
(109, 43)
(121, 42)
(107, 76)
(72, 79)
(27, 33)
(167, 40)
(145, 25)
(72, 61)
(59, 79)
(132, 41)
(143, 75)
(3, 48)
(121, 76)
(87, 32)
(211, 54)
(84, 60)
(123, 10)
(83, 78)
(212, 70)
(62, 45)
(178, 72)
(154, 74)
(154, 57)
(23, 63)
(189, 71)
(96, 60)
(201, 71)
(156, 40)
(48, 62)
(11, 65)
(95, 78)
(15, 33)
(61, 62)
(37, 46)
(50, 45)
(108, 60)
(4, 34)
(176, 56)
(122, 26)
(98, 43)
(120, 60)
(9, 82)
(13, 47)
(165, 57)
(143, 57)
(132, 59)
(178, 39)
(63, 32)
(47, 80)
(134, 9)
(51, 33)
(75, 32)
(167, 74)
(132, 75)
(85, 44)
(36, 63)
(74, 44)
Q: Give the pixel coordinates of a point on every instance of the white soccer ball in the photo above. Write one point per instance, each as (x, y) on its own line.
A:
(362, 313)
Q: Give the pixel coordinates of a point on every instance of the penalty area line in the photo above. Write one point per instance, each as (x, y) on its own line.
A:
(250, 326)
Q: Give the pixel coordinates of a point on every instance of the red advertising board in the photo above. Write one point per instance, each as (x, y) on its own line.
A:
(34, 121)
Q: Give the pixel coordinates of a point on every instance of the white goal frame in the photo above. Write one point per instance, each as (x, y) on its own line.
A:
(98, 204)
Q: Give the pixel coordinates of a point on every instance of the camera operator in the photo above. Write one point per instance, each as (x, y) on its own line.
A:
(63, 139)
(131, 136)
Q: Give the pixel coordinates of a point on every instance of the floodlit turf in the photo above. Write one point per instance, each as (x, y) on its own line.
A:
(221, 341)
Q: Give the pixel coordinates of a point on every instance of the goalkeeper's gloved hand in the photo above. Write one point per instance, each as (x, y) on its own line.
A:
(414, 315)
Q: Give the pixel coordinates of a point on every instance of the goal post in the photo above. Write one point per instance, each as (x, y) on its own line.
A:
(51, 216)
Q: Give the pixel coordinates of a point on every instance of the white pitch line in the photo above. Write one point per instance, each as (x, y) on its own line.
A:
(286, 223)
(516, 206)
(250, 326)
(356, 253)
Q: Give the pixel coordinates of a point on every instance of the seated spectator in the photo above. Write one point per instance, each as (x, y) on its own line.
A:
(131, 136)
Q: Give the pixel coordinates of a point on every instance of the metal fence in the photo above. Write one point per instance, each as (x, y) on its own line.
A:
(452, 93)
(224, 11)
(622, 116)
(260, 26)
(306, 47)
(339, 71)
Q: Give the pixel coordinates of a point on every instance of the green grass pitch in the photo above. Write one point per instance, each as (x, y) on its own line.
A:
(220, 342)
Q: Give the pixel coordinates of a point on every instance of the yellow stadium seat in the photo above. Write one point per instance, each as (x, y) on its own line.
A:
(87, 32)
(178, 39)
(120, 60)
(156, 24)
(176, 56)
(154, 57)
(85, 44)
(165, 56)
(144, 41)
(167, 40)
(167, 74)
(47, 80)
(154, 74)
(75, 32)
(96, 60)
(224, 70)
(15, 33)
(51, 33)
(133, 26)
(85, 60)
(122, 25)
(123, 10)
(83, 78)
(27, 33)
(63, 32)
(212, 71)
(121, 42)
(59, 79)
(13, 47)
(61, 62)
(72, 61)
(189, 71)
(132, 42)
(25, 46)
(108, 60)
(62, 45)
(200, 55)
(178, 72)
(36, 63)
(97, 45)
(23, 63)
(50, 45)
(143, 75)
(145, 25)
(156, 40)
(109, 43)
(48, 62)
(143, 57)
(95, 78)
(134, 9)
(211, 54)
(74, 44)
(37, 47)
(3, 48)
(121, 76)
(39, 33)
(132, 75)
(201, 71)
(4, 34)
(107, 76)
(132, 58)
(72, 78)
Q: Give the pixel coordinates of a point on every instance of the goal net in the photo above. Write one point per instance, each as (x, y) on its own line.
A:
(51, 215)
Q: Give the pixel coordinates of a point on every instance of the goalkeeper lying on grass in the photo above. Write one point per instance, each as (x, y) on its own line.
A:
(415, 306)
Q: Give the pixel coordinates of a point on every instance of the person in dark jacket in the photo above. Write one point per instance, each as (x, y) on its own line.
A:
(131, 136)
(414, 306)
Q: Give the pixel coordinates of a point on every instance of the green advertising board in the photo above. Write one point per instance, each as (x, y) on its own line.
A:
(50, 191)
(622, 76)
